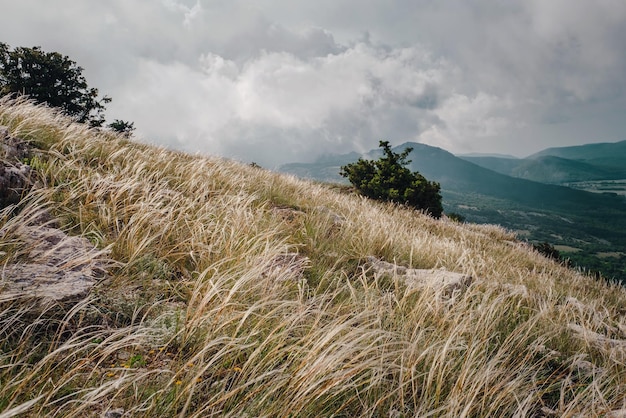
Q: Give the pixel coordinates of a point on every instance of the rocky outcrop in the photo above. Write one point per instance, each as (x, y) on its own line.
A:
(447, 284)
(15, 177)
(289, 266)
(57, 267)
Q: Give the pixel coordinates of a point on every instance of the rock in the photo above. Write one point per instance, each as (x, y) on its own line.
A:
(446, 283)
(114, 413)
(599, 340)
(288, 215)
(335, 218)
(59, 268)
(11, 148)
(289, 266)
(14, 182)
(15, 177)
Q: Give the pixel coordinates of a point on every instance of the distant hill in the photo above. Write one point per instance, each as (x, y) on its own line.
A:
(549, 169)
(489, 155)
(502, 165)
(583, 163)
(607, 154)
(458, 175)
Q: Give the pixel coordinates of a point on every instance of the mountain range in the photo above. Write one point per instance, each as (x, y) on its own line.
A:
(591, 162)
(546, 197)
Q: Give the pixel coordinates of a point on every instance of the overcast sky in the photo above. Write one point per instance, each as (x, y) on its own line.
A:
(276, 81)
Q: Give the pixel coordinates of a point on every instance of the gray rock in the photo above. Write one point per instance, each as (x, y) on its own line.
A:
(11, 148)
(15, 177)
(446, 283)
(59, 268)
(289, 266)
(14, 182)
(114, 413)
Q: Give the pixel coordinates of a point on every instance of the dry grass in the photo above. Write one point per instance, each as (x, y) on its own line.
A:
(208, 311)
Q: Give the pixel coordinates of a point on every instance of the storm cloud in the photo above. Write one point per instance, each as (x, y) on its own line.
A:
(282, 81)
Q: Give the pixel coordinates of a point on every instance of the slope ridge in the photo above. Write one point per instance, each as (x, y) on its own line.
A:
(242, 292)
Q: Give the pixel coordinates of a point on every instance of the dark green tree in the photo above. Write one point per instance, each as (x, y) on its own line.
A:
(388, 179)
(122, 127)
(51, 78)
(548, 250)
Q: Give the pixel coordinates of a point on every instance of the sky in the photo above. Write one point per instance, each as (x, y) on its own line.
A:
(279, 81)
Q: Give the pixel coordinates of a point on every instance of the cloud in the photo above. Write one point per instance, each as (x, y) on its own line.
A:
(278, 106)
(278, 80)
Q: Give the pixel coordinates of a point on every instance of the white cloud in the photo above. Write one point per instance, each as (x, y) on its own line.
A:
(281, 80)
(282, 102)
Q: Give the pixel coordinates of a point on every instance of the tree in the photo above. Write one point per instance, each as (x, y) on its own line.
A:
(388, 179)
(548, 250)
(122, 127)
(53, 79)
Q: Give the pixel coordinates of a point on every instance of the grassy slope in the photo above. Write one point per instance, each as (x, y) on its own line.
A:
(197, 319)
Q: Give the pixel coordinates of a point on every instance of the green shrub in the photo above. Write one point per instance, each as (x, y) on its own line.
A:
(388, 179)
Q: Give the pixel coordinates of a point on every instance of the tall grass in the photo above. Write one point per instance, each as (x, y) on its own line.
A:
(236, 291)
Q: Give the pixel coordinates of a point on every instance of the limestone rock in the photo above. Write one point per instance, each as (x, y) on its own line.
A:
(114, 413)
(11, 148)
(14, 182)
(614, 348)
(14, 175)
(446, 283)
(289, 266)
(59, 268)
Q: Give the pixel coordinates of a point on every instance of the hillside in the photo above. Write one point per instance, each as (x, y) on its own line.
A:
(608, 154)
(549, 169)
(212, 288)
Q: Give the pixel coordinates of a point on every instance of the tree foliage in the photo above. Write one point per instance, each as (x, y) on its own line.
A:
(122, 127)
(388, 179)
(51, 78)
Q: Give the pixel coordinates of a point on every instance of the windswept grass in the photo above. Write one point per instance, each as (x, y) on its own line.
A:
(236, 291)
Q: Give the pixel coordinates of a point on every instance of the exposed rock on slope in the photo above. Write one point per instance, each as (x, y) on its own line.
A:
(60, 268)
(446, 283)
(14, 175)
(56, 267)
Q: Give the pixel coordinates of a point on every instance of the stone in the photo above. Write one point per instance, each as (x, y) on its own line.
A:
(598, 340)
(114, 413)
(11, 148)
(14, 182)
(15, 177)
(446, 283)
(59, 268)
(289, 266)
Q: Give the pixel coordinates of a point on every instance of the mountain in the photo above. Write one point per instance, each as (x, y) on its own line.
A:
(211, 288)
(602, 154)
(502, 165)
(487, 155)
(549, 169)
(566, 165)
(587, 225)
